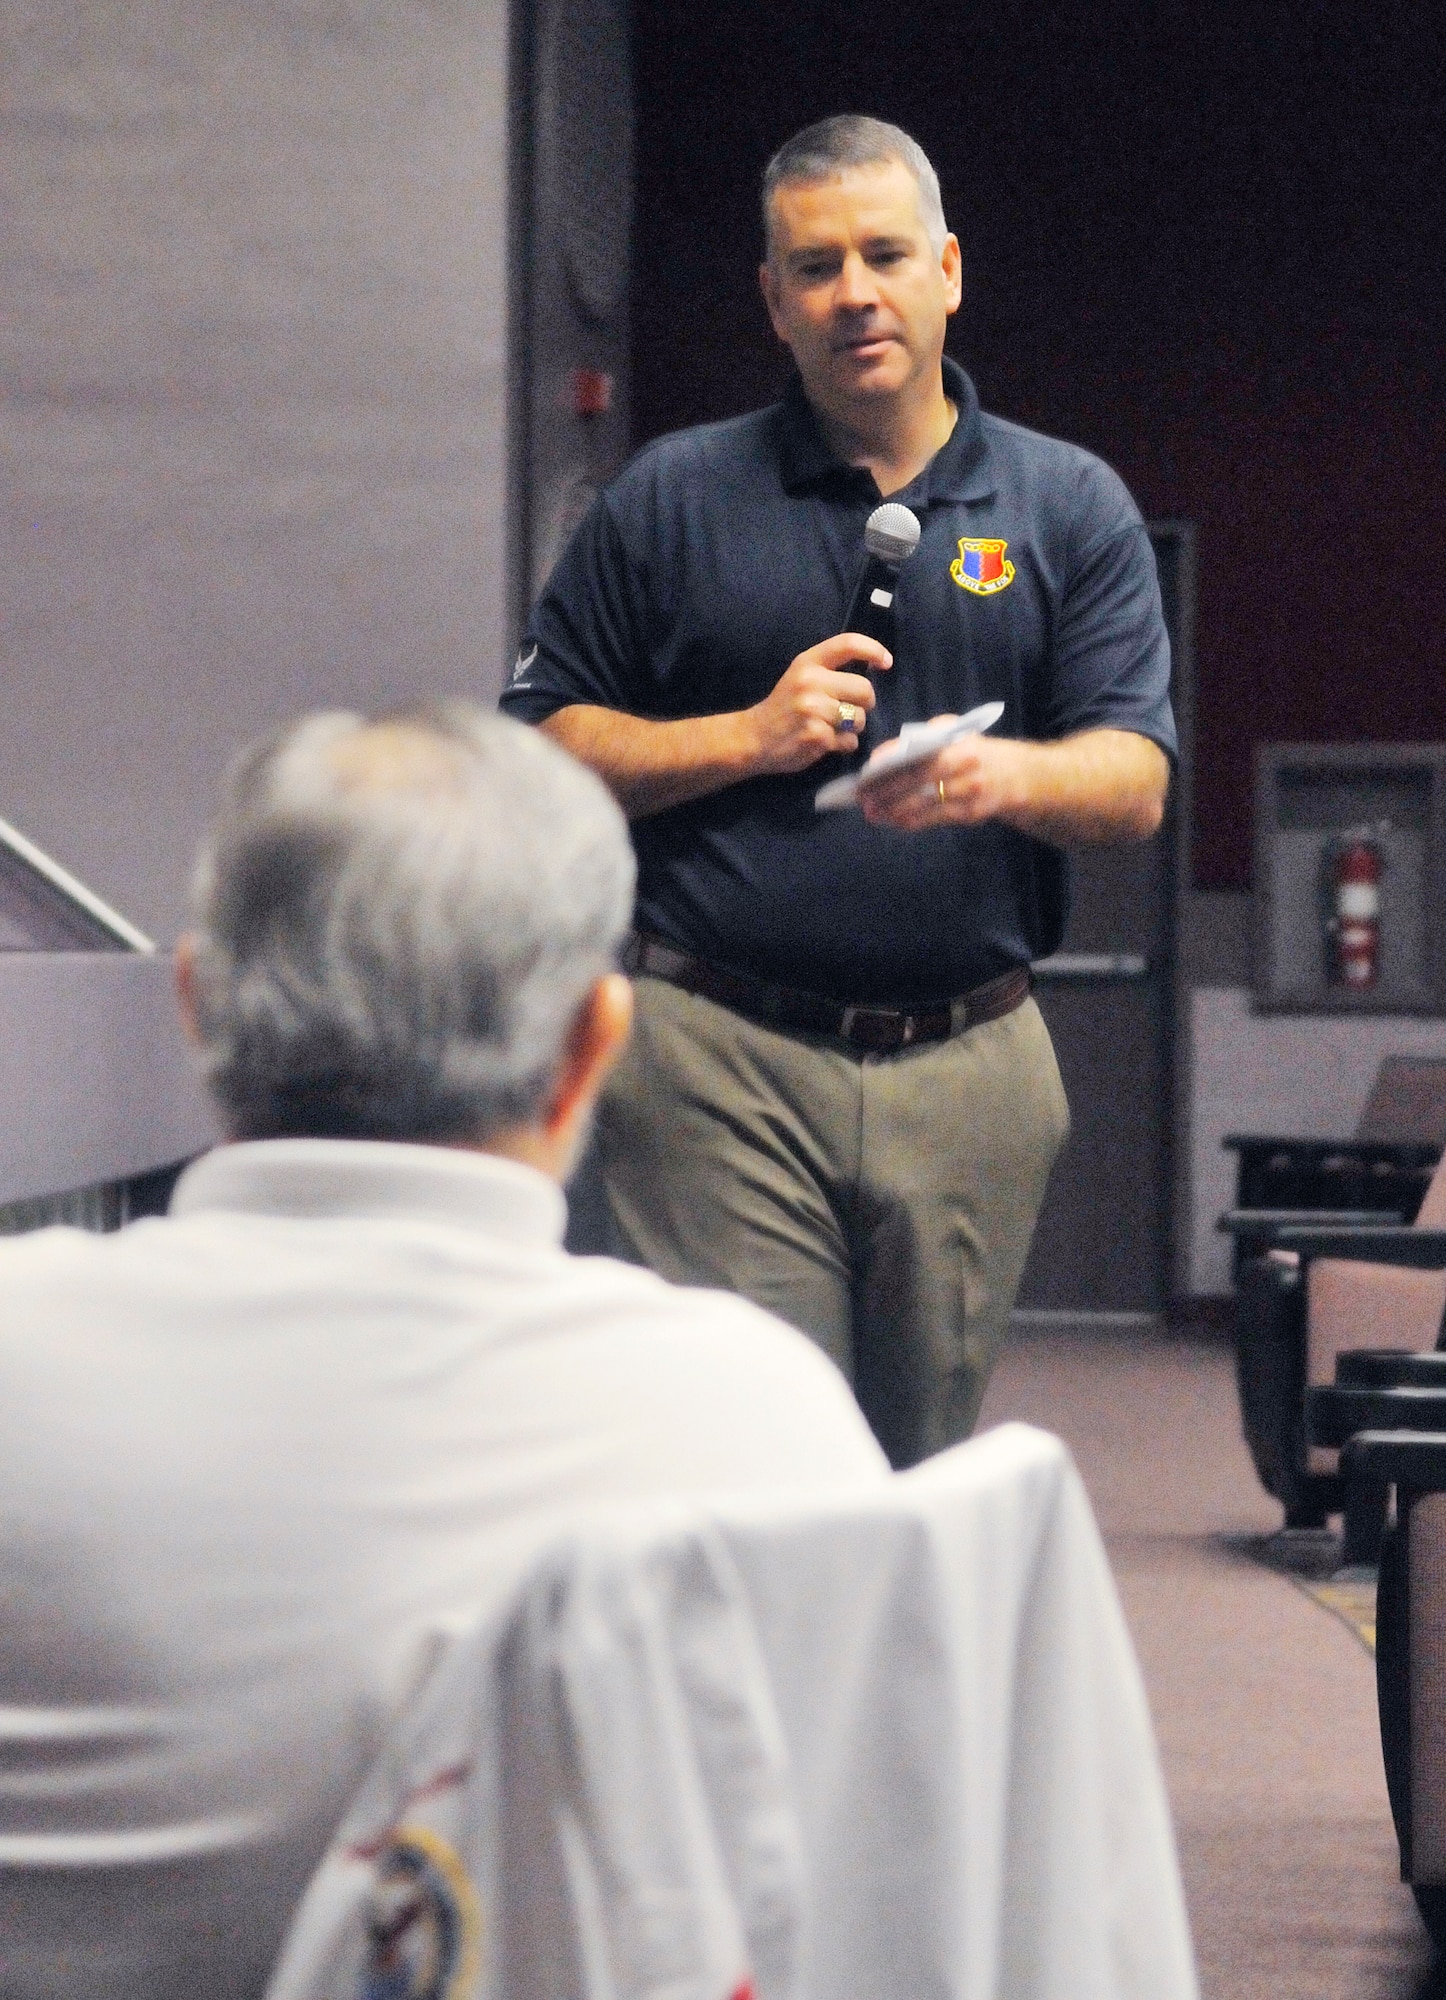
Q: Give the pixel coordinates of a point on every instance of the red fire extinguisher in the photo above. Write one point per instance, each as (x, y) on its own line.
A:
(1354, 866)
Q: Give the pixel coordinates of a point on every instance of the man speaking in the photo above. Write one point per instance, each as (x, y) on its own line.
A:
(840, 1100)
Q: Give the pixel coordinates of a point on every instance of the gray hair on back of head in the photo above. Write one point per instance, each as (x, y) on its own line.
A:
(397, 922)
(823, 151)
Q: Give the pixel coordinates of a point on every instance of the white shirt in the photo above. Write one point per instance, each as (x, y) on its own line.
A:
(251, 1456)
(861, 1745)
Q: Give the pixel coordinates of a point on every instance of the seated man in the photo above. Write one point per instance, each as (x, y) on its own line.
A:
(252, 1455)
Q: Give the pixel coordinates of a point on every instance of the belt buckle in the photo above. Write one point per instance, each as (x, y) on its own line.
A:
(891, 1030)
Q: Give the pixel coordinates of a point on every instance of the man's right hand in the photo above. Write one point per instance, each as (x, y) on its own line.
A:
(650, 766)
(798, 722)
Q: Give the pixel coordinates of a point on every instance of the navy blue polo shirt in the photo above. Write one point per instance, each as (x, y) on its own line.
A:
(719, 554)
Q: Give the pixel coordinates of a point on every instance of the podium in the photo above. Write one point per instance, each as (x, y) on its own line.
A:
(99, 1100)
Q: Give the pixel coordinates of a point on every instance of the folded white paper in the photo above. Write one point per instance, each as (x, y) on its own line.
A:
(915, 743)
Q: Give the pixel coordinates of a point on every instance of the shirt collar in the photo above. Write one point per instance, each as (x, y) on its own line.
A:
(959, 470)
(380, 1179)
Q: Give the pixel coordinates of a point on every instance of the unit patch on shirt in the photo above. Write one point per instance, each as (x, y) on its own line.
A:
(980, 566)
(422, 1921)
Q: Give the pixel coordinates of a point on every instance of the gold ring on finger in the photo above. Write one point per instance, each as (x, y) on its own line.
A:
(848, 715)
(941, 791)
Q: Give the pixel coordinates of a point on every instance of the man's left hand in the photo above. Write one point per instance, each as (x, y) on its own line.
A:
(1102, 785)
(972, 780)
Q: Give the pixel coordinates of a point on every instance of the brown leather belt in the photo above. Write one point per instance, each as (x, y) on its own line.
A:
(878, 1029)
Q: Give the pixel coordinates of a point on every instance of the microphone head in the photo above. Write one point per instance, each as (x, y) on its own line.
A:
(892, 533)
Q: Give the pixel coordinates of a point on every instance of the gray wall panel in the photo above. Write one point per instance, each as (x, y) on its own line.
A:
(252, 395)
(96, 1080)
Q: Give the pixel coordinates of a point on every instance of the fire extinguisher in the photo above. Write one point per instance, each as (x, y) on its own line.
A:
(1354, 865)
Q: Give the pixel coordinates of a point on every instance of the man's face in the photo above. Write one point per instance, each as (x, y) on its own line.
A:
(855, 290)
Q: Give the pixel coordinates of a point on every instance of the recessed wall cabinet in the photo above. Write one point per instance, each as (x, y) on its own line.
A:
(1350, 878)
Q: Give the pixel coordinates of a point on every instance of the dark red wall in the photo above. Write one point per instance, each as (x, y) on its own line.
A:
(1206, 241)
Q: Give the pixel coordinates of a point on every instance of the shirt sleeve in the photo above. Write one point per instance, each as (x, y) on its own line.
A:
(585, 638)
(1111, 666)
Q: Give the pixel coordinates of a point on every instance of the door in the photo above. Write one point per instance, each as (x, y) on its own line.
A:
(572, 197)
(1103, 1241)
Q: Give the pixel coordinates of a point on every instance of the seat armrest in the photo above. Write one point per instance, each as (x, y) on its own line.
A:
(1253, 1223)
(1239, 1142)
(1334, 1413)
(1390, 1368)
(1415, 1459)
(1413, 1249)
(1393, 1152)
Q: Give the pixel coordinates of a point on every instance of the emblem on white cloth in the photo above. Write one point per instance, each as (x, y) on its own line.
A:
(423, 1921)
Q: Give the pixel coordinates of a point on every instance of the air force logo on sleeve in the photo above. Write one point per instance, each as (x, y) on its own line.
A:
(521, 664)
(980, 566)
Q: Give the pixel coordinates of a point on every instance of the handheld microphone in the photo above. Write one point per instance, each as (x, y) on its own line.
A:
(891, 535)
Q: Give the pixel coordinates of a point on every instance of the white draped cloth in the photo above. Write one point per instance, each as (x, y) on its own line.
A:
(887, 1745)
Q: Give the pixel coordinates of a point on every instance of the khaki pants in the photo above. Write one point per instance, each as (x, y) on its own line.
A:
(882, 1204)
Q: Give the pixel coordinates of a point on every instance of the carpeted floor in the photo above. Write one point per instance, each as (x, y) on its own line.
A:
(1351, 1595)
(1310, 1559)
(1264, 1698)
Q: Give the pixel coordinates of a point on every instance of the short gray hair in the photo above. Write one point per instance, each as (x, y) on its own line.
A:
(397, 921)
(823, 151)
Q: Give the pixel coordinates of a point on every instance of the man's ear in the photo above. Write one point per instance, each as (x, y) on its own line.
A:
(595, 1040)
(952, 260)
(768, 285)
(185, 975)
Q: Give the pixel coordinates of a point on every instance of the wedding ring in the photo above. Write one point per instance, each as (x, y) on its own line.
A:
(941, 791)
(848, 715)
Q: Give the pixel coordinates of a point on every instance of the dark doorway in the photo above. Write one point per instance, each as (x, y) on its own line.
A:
(1103, 1242)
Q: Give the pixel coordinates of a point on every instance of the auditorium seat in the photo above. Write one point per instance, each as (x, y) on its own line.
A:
(1411, 1652)
(891, 1744)
(1309, 1294)
(1378, 1175)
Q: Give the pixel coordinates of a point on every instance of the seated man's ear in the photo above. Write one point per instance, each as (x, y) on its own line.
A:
(595, 1040)
(185, 962)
